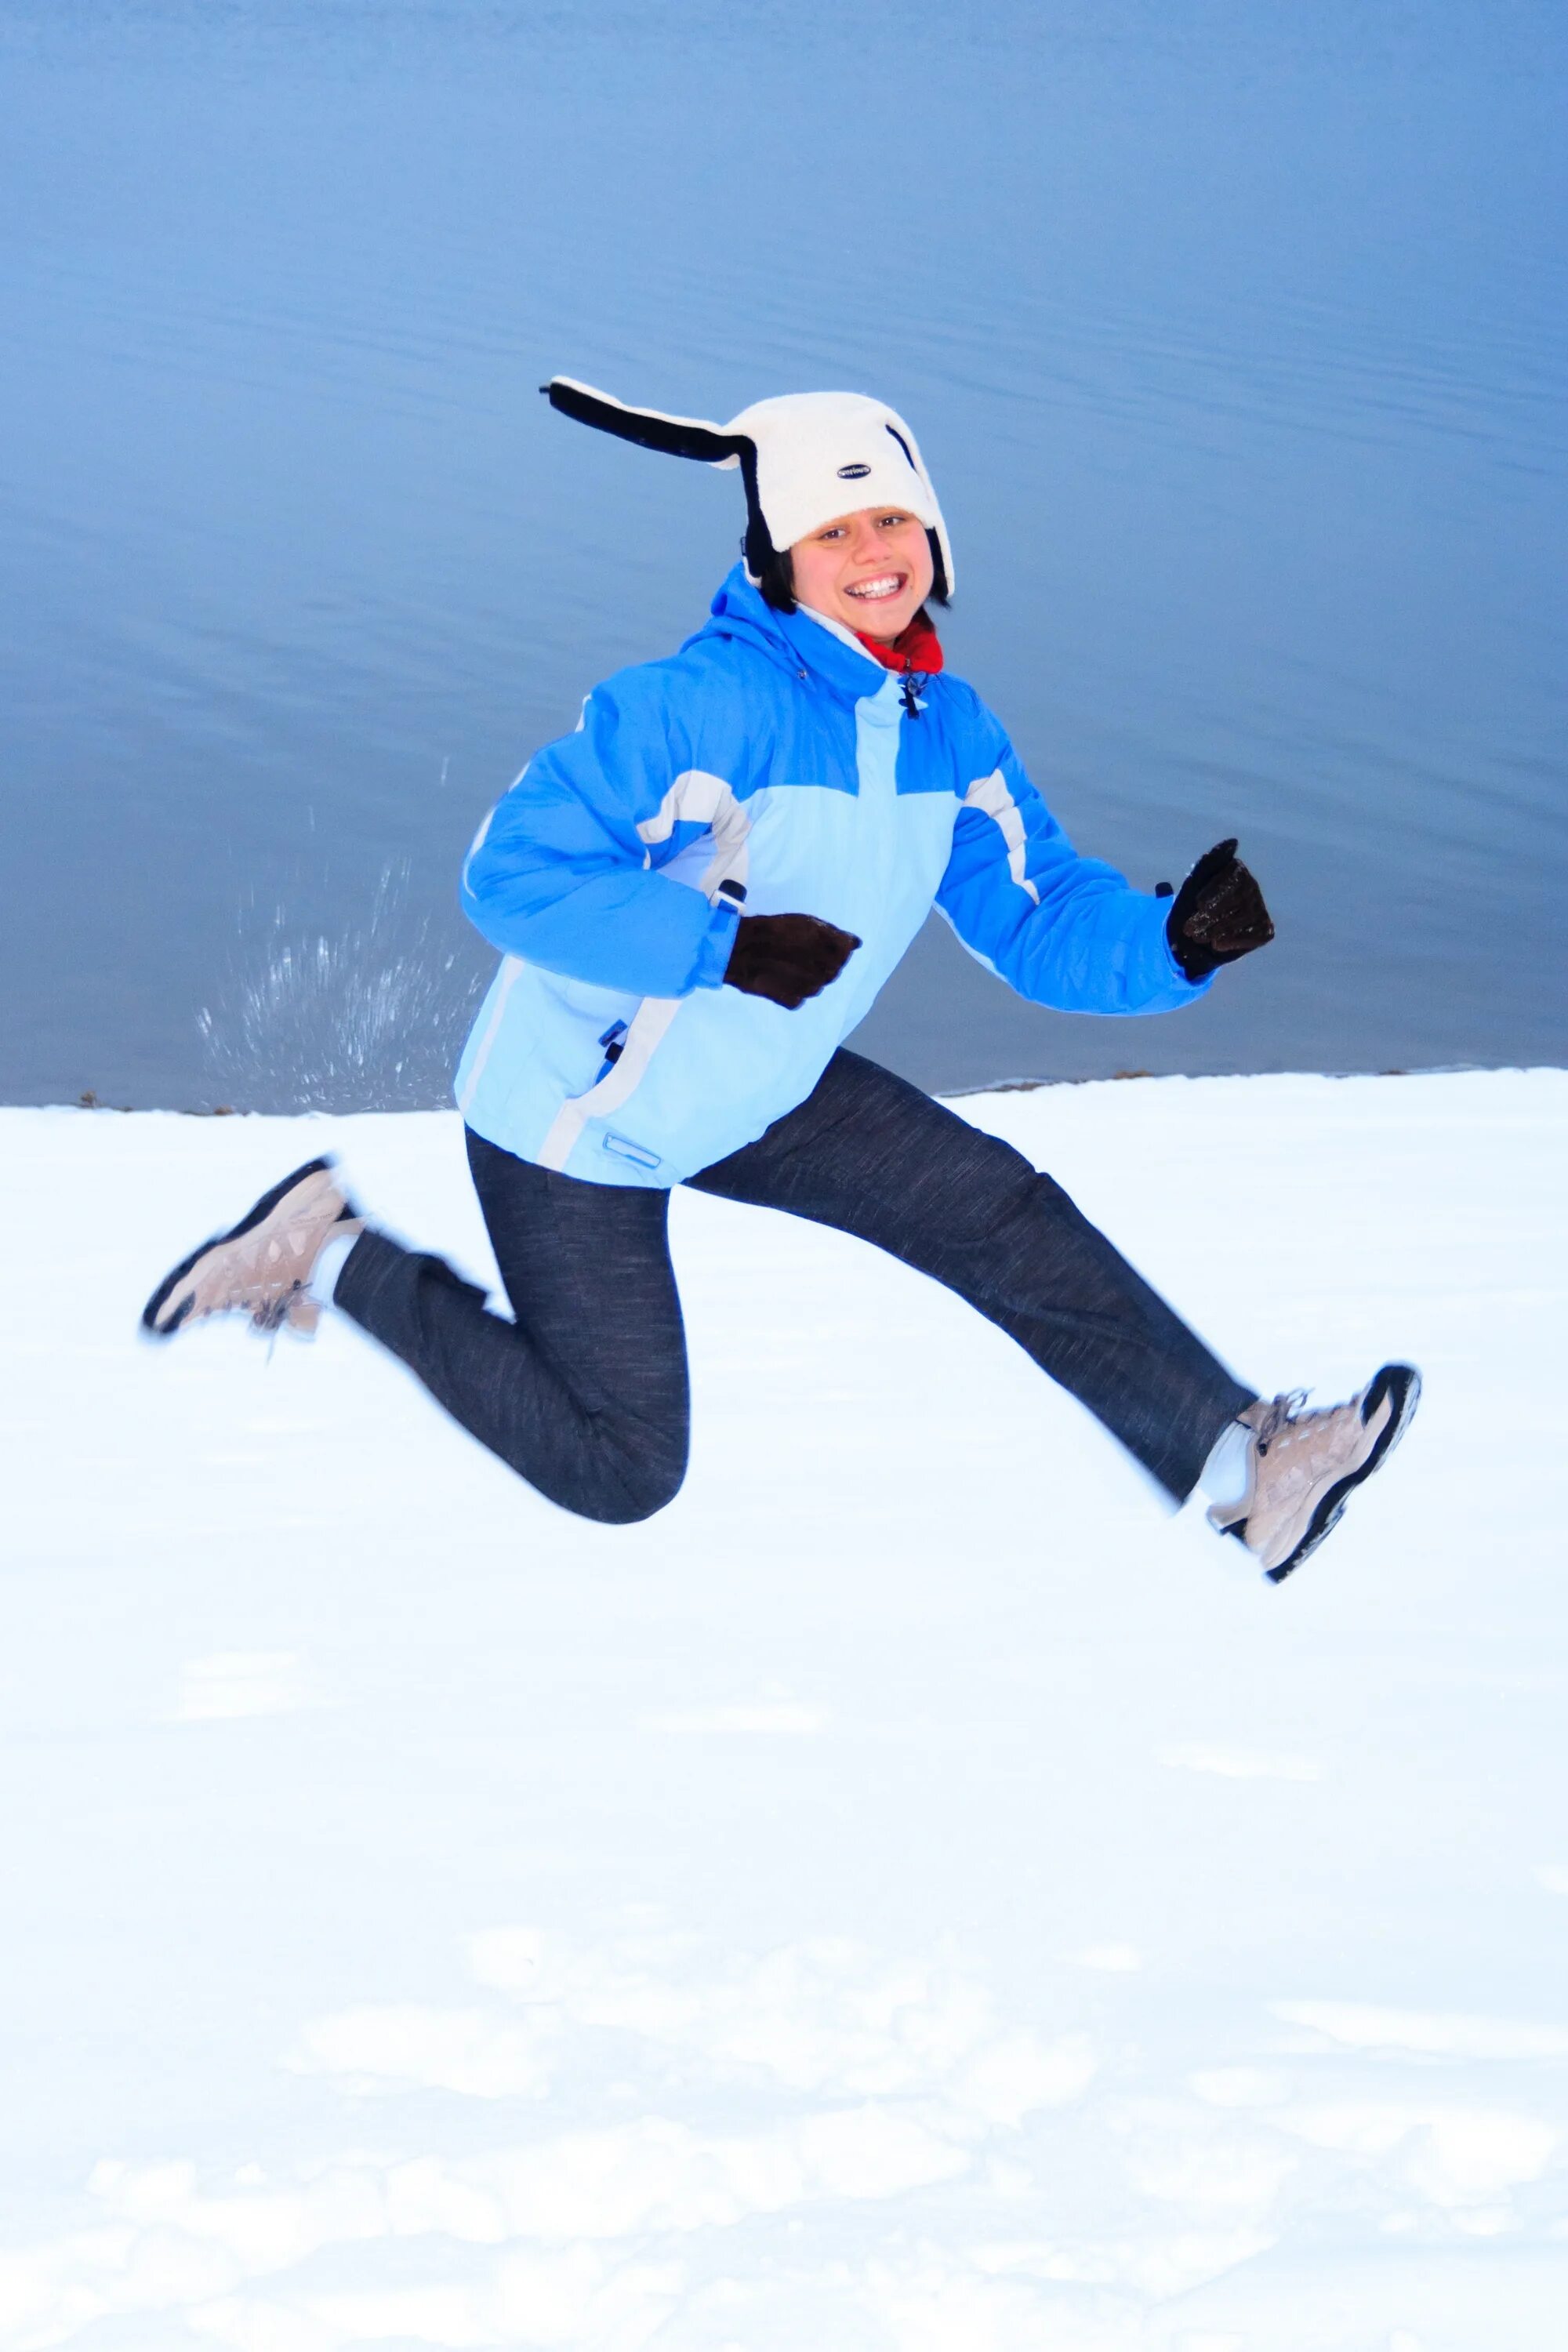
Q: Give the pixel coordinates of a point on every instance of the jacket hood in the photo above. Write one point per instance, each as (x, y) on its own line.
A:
(795, 641)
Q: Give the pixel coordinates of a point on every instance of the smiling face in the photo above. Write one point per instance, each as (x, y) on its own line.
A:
(871, 570)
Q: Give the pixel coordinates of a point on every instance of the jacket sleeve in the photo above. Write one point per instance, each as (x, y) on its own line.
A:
(559, 873)
(1063, 930)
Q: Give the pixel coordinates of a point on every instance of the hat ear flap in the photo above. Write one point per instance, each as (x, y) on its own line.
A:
(673, 436)
(941, 585)
(757, 546)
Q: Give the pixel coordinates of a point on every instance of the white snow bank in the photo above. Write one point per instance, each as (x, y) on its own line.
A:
(913, 1896)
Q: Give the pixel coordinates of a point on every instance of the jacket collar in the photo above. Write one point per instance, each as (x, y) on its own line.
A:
(801, 641)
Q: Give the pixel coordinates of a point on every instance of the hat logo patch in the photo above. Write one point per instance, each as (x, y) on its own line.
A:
(853, 473)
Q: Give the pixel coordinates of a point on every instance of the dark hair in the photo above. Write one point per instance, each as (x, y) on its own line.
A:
(775, 575)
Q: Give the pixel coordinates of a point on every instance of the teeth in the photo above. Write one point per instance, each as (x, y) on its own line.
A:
(887, 586)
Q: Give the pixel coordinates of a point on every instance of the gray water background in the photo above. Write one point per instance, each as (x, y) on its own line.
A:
(1234, 331)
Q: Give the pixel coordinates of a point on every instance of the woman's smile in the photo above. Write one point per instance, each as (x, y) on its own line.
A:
(887, 584)
(870, 571)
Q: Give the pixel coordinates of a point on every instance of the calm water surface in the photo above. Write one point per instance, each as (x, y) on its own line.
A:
(1234, 333)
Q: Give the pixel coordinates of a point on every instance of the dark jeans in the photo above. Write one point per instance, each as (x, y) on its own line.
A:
(586, 1393)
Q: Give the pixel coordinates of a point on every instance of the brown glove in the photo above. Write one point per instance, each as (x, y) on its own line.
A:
(1219, 913)
(787, 957)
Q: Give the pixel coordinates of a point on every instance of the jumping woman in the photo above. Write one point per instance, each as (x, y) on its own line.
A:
(695, 897)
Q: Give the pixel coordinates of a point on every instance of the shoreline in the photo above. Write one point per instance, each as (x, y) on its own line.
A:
(90, 1101)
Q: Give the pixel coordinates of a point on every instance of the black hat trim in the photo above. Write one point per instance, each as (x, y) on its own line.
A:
(673, 436)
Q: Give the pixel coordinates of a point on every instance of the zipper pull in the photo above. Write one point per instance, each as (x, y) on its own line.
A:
(613, 1041)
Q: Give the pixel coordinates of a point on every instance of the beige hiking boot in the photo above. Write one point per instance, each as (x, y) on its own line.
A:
(1302, 1467)
(262, 1265)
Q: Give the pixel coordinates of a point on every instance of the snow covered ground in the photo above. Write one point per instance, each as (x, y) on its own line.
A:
(913, 1896)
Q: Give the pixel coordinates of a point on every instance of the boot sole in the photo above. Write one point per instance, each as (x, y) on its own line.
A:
(1402, 1383)
(247, 1224)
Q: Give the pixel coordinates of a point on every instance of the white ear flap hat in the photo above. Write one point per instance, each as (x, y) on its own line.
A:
(804, 458)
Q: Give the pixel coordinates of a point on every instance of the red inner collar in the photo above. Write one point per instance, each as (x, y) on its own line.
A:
(918, 648)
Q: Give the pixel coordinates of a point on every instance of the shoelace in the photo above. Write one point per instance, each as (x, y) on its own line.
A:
(1283, 1413)
(281, 1289)
(274, 1313)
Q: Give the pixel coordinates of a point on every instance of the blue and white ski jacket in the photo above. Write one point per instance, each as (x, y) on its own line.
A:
(769, 764)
